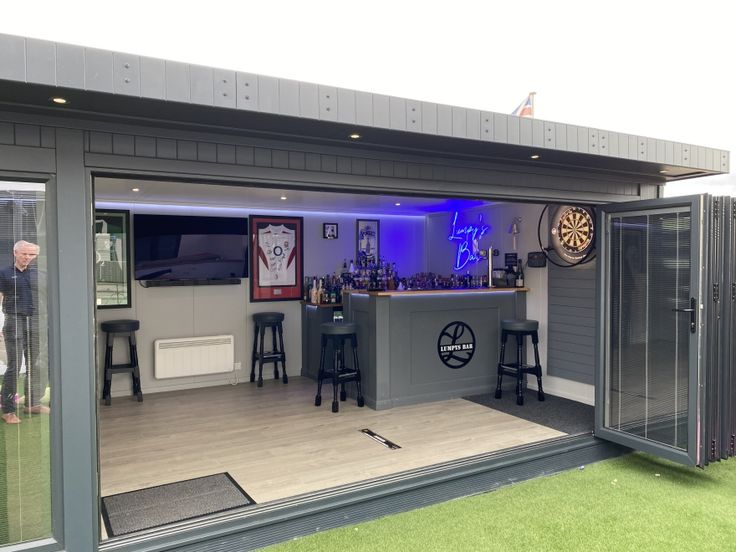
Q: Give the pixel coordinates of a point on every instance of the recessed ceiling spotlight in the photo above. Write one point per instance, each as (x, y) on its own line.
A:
(355, 136)
(535, 156)
(283, 198)
(397, 204)
(135, 189)
(664, 171)
(59, 100)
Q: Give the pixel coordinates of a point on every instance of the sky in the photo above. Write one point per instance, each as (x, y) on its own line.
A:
(661, 69)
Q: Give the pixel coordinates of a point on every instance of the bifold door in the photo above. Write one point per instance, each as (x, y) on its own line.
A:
(652, 331)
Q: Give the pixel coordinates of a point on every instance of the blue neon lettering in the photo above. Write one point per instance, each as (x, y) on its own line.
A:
(467, 236)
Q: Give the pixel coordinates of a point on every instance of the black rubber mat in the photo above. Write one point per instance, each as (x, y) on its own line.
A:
(155, 506)
(564, 415)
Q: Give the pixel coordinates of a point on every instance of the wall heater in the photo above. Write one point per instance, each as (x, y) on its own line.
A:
(193, 356)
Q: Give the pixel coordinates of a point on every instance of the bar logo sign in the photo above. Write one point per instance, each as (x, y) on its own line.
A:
(456, 345)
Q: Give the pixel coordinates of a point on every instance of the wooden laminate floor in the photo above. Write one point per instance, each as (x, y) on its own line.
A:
(275, 443)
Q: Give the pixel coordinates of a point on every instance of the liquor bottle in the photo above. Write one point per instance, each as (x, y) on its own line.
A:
(352, 267)
(519, 275)
(314, 292)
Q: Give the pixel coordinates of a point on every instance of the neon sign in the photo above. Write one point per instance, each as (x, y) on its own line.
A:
(467, 237)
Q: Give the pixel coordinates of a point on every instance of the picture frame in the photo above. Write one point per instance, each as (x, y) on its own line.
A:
(329, 231)
(367, 240)
(112, 258)
(276, 258)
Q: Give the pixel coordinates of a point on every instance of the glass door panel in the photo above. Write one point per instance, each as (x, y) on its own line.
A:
(647, 394)
(25, 425)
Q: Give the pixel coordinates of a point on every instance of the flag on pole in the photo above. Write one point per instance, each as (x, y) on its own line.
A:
(526, 108)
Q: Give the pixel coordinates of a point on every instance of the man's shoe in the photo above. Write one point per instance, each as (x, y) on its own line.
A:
(38, 409)
(11, 418)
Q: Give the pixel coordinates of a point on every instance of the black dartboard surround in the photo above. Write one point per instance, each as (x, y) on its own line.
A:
(572, 232)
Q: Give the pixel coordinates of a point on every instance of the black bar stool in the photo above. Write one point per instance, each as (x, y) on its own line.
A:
(261, 321)
(519, 329)
(113, 328)
(338, 333)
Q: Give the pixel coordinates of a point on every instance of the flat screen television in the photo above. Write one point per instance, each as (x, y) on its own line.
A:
(190, 249)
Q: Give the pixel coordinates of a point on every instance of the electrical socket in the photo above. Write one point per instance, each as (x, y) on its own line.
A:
(237, 366)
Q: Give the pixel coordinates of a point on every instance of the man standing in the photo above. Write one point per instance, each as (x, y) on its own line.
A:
(19, 291)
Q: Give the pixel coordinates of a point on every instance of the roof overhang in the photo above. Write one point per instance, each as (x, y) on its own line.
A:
(121, 87)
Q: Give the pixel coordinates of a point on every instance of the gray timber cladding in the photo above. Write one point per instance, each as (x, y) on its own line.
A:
(571, 320)
(395, 173)
(48, 63)
(27, 135)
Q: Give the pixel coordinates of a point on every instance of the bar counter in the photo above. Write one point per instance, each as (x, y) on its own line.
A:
(418, 346)
(392, 292)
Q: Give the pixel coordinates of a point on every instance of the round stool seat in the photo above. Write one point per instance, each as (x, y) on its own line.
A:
(115, 326)
(338, 328)
(268, 317)
(520, 325)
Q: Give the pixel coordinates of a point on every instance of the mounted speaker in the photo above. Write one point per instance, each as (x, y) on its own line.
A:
(572, 232)
(536, 259)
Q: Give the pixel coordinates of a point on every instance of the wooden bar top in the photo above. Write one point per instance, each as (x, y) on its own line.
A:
(433, 291)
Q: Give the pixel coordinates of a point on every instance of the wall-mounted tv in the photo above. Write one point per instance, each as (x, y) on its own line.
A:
(190, 249)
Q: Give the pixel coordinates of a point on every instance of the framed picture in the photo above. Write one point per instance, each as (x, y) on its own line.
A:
(329, 230)
(276, 258)
(112, 258)
(367, 240)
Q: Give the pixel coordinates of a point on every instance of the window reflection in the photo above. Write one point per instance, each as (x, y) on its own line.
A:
(25, 481)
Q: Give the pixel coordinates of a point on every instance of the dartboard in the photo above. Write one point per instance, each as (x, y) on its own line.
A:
(575, 229)
(572, 232)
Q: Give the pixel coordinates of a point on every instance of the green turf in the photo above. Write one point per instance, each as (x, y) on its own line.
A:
(25, 481)
(636, 502)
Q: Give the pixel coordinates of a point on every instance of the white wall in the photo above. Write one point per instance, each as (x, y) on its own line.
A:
(192, 311)
(401, 241)
(441, 256)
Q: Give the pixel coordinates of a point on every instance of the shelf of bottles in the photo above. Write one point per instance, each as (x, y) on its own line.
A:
(383, 276)
(366, 275)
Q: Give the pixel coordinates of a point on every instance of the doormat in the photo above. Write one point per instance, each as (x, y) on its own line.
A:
(155, 506)
(564, 415)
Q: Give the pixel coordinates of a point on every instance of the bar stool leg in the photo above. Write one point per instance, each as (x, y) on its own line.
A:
(321, 373)
(108, 372)
(262, 335)
(285, 378)
(501, 360)
(519, 369)
(354, 347)
(136, 375)
(537, 366)
(343, 393)
(335, 374)
(274, 350)
(254, 356)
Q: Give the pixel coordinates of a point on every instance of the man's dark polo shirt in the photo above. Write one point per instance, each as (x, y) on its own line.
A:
(18, 288)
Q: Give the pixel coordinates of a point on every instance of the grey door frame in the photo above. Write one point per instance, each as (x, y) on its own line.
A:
(696, 393)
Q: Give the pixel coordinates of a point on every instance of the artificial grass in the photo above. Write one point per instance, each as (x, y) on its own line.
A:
(635, 502)
(25, 479)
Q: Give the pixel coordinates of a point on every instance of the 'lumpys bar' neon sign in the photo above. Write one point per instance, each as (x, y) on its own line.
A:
(467, 237)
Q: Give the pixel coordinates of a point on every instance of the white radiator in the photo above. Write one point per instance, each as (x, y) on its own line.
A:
(193, 356)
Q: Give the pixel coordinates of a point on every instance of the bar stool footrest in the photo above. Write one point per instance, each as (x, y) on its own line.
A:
(122, 368)
(511, 369)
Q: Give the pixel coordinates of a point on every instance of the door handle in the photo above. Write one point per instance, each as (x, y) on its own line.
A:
(693, 315)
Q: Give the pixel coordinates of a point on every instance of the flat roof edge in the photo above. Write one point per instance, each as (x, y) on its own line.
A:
(41, 62)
